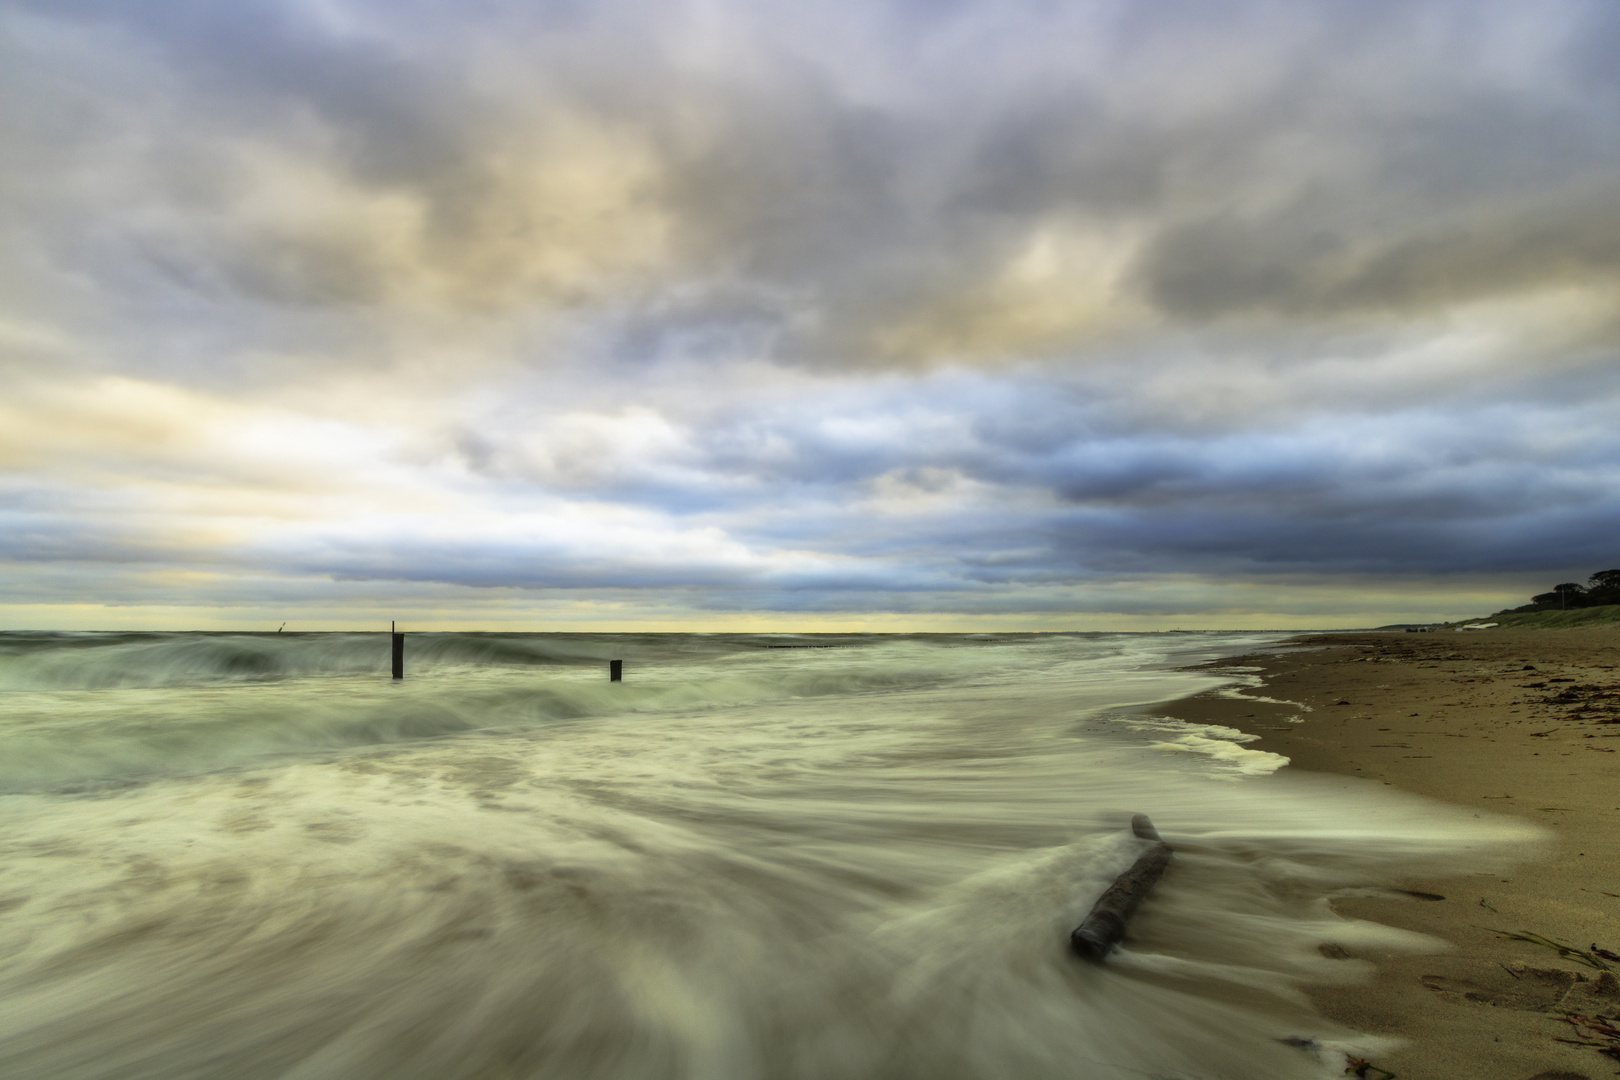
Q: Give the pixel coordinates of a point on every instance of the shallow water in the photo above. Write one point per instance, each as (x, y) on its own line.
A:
(242, 856)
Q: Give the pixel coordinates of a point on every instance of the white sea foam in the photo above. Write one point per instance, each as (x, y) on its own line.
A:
(741, 862)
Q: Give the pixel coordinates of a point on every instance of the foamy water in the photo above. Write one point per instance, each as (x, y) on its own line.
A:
(238, 856)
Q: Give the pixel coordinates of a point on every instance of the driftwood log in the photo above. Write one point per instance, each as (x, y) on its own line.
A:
(1096, 937)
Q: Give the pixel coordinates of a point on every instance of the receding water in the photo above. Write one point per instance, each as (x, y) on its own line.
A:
(245, 856)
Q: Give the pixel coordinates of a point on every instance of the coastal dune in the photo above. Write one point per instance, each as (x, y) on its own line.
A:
(1522, 722)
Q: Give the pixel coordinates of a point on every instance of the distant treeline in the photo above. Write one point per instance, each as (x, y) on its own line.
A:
(1600, 589)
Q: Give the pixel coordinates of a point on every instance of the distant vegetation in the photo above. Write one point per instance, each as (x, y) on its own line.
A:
(1570, 604)
(1602, 589)
(1541, 617)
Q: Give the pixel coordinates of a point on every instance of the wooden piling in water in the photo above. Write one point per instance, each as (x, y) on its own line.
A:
(1105, 926)
(399, 652)
(615, 671)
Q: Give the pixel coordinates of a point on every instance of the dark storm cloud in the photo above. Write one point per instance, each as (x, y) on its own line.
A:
(1266, 158)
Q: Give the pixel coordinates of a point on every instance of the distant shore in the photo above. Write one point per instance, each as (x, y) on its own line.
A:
(1512, 721)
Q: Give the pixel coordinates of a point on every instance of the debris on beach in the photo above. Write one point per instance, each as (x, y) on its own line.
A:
(1569, 952)
(1365, 1069)
(1105, 926)
(1331, 1052)
(1600, 1033)
(1599, 703)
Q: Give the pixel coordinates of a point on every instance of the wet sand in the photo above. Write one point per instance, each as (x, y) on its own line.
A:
(1508, 721)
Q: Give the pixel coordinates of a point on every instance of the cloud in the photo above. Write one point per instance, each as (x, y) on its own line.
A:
(1301, 262)
(964, 307)
(976, 202)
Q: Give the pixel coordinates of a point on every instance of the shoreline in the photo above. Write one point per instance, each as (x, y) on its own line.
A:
(1524, 723)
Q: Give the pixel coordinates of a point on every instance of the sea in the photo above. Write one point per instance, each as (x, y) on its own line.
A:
(809, 857)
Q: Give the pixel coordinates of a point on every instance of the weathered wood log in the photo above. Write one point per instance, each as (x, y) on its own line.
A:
(1096, 937)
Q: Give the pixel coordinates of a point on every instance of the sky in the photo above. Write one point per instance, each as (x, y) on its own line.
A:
(904, 315)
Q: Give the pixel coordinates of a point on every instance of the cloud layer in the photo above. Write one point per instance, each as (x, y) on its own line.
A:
(1192, 312)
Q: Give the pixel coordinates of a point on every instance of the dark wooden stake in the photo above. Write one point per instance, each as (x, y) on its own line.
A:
(399, 652)
(615, 671)
(1105, 926)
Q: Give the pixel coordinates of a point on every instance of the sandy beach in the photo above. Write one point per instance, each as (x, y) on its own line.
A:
(1524, 722)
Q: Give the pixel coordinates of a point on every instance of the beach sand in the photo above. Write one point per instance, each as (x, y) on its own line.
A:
(1523, 722)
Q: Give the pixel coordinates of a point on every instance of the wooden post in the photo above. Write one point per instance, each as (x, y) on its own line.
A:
(399, 652)
(615, 671)
(1105, 926)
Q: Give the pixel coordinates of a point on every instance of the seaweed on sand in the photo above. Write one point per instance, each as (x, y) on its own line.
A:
(1592, 959)
(1601, 1033)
